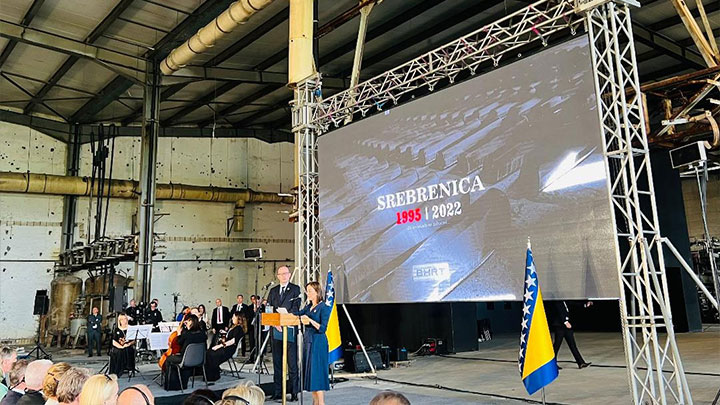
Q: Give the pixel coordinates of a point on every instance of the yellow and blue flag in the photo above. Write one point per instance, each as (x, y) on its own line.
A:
(333, 329)
(536, 360)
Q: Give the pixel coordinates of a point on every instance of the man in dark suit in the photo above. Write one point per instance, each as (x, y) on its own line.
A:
(563, 330)
(94, 329)
(286, 295)
(134, 314)
(243, 308)
(153, 316)
(220, 319)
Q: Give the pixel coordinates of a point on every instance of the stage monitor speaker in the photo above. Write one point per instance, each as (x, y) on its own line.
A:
(42, 303)
(255, 253)
(356, 362)
(399, 355)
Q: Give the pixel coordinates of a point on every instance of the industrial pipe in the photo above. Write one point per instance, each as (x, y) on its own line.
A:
(34, 183)
(238, 12)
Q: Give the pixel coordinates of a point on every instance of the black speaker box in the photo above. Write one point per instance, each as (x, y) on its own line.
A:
(42, 303)
(356, 362)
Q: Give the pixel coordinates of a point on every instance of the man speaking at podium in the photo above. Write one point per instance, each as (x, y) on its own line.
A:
(286, 295)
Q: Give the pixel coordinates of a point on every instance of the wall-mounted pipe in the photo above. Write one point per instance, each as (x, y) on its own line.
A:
(36, 183)
(239, 215)
(238, 12)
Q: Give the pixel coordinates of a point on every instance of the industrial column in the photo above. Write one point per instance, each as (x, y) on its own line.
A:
(72, 164)
(146, 208)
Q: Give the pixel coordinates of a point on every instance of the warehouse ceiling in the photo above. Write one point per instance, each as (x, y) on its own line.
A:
(82, 61)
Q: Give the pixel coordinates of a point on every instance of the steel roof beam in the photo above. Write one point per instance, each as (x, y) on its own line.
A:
(187, 28)
(676, 20)
(96, 33)
(29, 15)
(667, 46)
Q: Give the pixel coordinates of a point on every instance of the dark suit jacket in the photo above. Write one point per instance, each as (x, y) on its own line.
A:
(558, 313)
(286, 300)
(242, 310)
(94, 323)
(11, 398)
(225, 318)
(31, 398)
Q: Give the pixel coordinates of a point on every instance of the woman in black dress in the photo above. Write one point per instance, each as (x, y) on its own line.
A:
(189, 333)
(225, 349)
(122, 354)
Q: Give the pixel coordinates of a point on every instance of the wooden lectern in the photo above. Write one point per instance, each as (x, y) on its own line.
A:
(282, 320)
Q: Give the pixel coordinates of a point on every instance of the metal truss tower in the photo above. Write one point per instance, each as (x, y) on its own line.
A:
(655, 371)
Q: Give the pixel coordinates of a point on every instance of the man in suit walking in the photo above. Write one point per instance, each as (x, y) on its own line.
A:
(286, 295)
(220, 319)
(564, 330)
(94, 328)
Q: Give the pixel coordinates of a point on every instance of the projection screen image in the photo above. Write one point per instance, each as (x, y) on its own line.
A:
(435, 200)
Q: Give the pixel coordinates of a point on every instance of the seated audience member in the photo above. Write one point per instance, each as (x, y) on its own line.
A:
(100, 389)
(70, 385)
(225, 349)
(51, 380)
(34, 377)
(8, 356)
(201, 397)
(16, 379)
(389, 398)
(138, 394)
(249, 392)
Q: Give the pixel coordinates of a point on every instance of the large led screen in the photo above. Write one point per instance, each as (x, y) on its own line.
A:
(434, 200)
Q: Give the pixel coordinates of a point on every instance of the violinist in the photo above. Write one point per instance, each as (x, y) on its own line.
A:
(225, 349)
(122, 354)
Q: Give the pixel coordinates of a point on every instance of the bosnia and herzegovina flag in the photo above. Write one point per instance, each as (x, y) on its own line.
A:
(333, 329)
(537, 363)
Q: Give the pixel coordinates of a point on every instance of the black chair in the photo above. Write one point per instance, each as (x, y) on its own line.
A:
(234, 371)
(194, 356)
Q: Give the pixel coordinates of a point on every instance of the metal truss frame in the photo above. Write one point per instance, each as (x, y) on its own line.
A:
(655, 371)
(654, 366)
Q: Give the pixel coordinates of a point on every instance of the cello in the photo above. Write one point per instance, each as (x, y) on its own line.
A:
(173, 345)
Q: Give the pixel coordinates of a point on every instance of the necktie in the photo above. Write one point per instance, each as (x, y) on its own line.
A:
(219, 315)
(282, 291)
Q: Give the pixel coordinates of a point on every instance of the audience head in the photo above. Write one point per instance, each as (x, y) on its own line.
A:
(191, 322)
(52, 378)
(201, 397)
(138, 394)
(283, 274)
(8, 356)
(240, 299)
(100, 389)
(35, 374)
(218, 302)
(389, 398)
(95, 310)
(314, 291)
(71, 384)
(16, 379)
(248, 391)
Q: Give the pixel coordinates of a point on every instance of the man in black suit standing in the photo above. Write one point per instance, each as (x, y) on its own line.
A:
(286, 295)
(94, 330)
(220, 319)
(243, 308)
(564, 330)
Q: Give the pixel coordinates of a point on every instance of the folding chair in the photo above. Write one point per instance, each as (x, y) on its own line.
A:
(194, 356)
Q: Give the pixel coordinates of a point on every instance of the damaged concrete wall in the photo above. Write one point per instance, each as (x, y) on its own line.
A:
(200, 262)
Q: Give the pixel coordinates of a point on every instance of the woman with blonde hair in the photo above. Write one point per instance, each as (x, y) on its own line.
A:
(50, 383)
(122, 354)
(100, 389)
(247, 391)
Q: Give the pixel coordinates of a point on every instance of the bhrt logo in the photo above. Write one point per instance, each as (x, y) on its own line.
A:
(431, 272)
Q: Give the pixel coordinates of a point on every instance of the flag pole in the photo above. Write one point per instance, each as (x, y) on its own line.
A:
(528, 242)
(543, 395)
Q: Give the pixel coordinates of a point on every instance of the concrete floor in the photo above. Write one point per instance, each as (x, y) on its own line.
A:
(490, 376)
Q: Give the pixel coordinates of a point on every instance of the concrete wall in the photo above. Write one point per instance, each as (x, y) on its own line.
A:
(692, 206)
(200, 262)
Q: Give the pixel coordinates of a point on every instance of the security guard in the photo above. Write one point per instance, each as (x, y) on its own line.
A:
(94, 329)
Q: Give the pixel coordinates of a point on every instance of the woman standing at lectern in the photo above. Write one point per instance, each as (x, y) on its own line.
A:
(315, 350)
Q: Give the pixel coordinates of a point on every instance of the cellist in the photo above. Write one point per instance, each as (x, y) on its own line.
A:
(189, 333)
